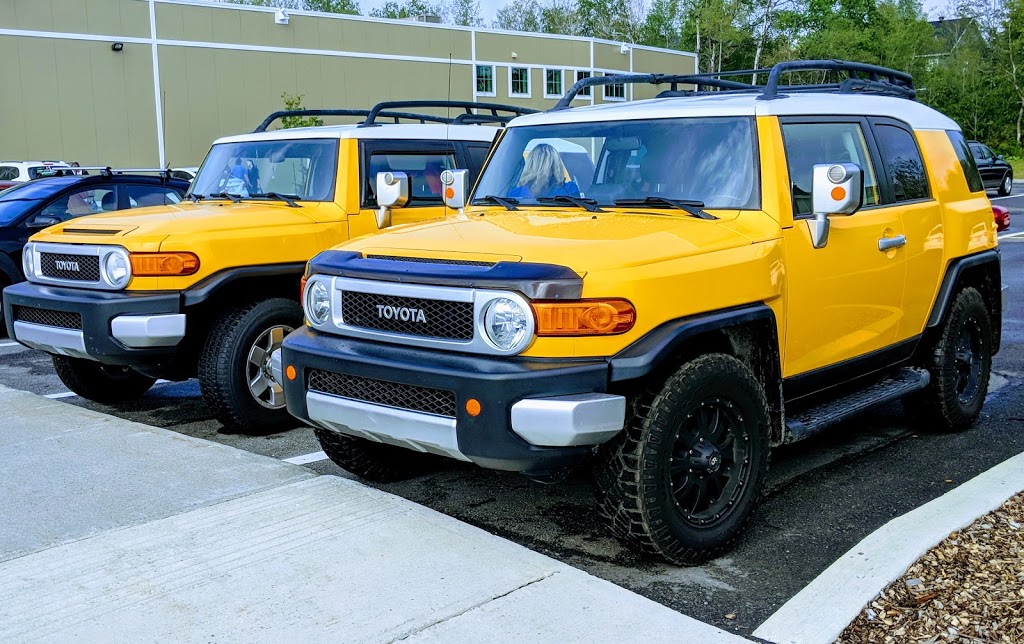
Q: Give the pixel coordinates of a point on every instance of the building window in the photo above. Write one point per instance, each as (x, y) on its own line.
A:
(615, 91)
(553, 83)
(580, 76)
(519, 81)
(485, 80)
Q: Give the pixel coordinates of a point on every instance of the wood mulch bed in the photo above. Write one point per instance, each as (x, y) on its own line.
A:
(969, 588)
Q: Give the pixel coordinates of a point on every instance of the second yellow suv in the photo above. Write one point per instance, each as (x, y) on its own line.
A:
(210, 287)
(672, 287)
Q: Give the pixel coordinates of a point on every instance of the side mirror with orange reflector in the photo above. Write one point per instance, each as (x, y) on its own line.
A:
(836, 189)
(456, 187)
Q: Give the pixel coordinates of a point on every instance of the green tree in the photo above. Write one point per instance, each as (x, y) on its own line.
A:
(519, 16)
(408, 9)
(295, 103)
(463, 12)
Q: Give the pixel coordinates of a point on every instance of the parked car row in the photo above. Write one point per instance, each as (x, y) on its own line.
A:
(664, 289)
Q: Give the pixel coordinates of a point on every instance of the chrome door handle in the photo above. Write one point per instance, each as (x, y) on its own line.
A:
(888, 243)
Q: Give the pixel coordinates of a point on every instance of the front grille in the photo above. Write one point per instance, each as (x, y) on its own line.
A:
(408, 315)
(46, 317)
(80, 268)
(389, 394)
(430, 260)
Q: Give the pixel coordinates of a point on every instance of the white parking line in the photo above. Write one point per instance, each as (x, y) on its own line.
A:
(1006, 197)
(63, 394)
(1008, 235)
(9, 344)
(306, 458)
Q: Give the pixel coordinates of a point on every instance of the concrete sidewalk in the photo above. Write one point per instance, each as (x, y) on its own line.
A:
(118, 532)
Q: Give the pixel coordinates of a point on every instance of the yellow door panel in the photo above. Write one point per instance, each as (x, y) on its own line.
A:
(844, 299)
(922, 223)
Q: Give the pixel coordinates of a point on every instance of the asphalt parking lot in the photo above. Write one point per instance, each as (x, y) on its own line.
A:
(824, 496)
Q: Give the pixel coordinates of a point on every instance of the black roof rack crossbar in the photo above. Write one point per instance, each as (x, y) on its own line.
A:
(498, 113)
(862, 78)
(701, 80)
(106, 171)
(396, 116)
(879, 77)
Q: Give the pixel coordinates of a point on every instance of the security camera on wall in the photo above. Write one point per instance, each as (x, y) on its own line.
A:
(281, 17)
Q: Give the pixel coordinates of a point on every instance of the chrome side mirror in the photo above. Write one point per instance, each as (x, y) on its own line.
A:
(392, 192)
(836, 189)
(456, 186)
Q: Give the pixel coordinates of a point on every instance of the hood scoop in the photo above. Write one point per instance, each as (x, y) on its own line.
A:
(431, 260)
(91, 231)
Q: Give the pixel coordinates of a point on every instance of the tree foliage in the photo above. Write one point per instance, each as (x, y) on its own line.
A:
(295, 103)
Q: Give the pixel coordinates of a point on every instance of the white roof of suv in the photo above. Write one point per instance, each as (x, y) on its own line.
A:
(23, 168)
(429, 131)
(917, 115)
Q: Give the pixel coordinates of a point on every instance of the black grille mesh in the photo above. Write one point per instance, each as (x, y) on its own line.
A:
(441, 318)
(430, 260)
(88, 267)
(46, 317)
(390, 394)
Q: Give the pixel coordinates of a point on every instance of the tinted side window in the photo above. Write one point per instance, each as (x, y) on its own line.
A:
(808, 144)
(141, 195)
(423, 169)
(477, 155)
(963, 153)
(87, 202)
(8, 173)
(903, 162)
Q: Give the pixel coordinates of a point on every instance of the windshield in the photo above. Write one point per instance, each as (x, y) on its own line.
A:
(702, 160)
(304, 169)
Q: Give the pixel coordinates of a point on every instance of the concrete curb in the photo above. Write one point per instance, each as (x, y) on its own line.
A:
(821, 611)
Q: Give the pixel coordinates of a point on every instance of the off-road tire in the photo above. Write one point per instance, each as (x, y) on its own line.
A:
(939, 407)
(223, 364)
(632, 483)
(99, 382)
(1006, 185)
(373, 461)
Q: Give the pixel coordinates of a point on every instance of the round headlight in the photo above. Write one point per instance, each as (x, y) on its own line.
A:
(506, 323)
(318, 303)
(117, 269)
(27, 261)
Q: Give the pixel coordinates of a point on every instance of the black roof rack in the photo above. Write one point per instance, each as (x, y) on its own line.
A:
(394, 111)
(498, 113)
(106, 171)
(861, 78)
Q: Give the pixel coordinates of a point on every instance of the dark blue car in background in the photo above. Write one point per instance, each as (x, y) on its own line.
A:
(29, 207)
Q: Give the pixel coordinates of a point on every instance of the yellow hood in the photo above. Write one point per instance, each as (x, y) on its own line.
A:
(582, 241)
(145, 228)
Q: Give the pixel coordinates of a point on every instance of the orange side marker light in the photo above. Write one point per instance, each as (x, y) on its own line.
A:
(290, 373)
(473, 407)
(838, 193)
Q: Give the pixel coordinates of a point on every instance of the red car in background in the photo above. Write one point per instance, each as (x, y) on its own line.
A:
(1002, 216)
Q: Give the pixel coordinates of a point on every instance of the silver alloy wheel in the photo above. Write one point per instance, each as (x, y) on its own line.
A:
(1007, 184)
(262, 385)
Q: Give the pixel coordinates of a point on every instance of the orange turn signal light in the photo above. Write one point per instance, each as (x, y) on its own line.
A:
(473, 407)
(584, 317)
(290, 373)
(159, 264)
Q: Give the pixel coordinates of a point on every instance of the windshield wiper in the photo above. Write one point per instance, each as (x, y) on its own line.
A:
(590, 205)
(226, 195)
(508, 203)
(195, 198)
(288, 199)
(691, 207)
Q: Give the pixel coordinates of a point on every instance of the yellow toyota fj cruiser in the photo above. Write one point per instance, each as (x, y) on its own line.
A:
(674, 286)
(210, 287)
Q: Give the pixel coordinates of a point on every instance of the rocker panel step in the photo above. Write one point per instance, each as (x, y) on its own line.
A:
(892, 387)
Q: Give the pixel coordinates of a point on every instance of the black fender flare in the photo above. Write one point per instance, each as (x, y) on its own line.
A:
(221, 280)
(643, 356)
(991, 260)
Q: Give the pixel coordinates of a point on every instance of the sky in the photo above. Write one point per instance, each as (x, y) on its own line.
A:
(489, 8)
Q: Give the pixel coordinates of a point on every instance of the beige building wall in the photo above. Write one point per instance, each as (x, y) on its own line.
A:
(190, 71)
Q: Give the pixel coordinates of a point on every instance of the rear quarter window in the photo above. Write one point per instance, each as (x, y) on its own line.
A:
(963, 153)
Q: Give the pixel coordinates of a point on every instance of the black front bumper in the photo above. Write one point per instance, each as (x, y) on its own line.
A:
(97, 309)
(497, 383)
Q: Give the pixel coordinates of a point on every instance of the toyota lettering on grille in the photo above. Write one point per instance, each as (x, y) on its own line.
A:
(67, 265)
(403, 313)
